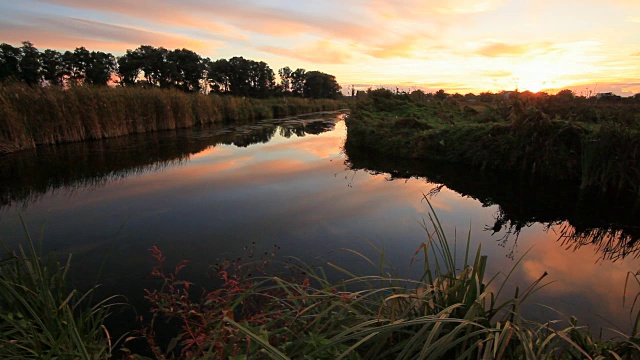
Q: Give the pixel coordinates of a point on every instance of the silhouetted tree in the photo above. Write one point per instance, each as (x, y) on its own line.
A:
(319, 85)
(9, 60)
(29, 64)
(238, 73)
(100, 68)
(440, 95)
(262, 78)
(298, 78)
(76, 64)
(180, 68)
(248, 77)
(146, 60)
(129, 67)
(285, 79)
(186, 69)
(52, 67)
(218, 73)
(418, 96)
(565, 94)
(487, 97)
(154, 65)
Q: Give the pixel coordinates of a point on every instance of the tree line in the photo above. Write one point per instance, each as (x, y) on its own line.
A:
(149, 66)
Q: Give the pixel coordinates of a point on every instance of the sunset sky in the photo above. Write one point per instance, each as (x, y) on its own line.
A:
(458, 45)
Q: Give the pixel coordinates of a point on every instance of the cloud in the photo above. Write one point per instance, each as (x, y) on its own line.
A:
(230, 19)
(153, 13)
(497, 74)
(623, 88)
(409, 46)
(320, 52)
(499, 49)
(74, 32)
(470, 6)
(419, 9)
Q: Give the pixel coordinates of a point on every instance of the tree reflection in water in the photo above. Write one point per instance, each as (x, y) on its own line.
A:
(607, 222)
(26, 176)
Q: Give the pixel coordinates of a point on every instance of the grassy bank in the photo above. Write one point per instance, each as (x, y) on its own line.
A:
(34, 116)
(595, 144)
(42, 318)
(263, 309)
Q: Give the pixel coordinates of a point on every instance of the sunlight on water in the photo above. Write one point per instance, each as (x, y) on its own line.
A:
(204, 194)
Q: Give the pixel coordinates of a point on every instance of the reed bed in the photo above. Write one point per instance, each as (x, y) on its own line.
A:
(34, 116)
(595, 145)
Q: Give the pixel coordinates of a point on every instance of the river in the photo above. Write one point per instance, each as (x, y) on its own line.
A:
(206, 194)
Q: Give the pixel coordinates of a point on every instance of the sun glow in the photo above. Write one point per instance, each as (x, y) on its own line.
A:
(540, 73)
(534, 81)
(457, 45)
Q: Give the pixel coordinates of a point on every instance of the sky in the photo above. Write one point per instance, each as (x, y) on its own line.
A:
(589, 46)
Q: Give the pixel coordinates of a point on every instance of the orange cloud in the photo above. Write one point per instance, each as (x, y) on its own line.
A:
(405, 47)
(497, 74)
(320, 52)
(156, 12)
(417, 9)
(228, 19)
(470, 6)
(498, 49)
(548, 255)
(72, 33)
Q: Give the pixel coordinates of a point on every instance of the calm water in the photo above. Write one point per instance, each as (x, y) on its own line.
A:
(204, 194)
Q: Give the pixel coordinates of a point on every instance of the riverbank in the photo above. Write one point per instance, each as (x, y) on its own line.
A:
(35, 116)
(264, 308)
(594, 144)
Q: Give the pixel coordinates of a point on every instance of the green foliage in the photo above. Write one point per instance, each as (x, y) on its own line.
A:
(265, 309)
(40, 318)
(541, 135)
(611, 158)
(449, 312)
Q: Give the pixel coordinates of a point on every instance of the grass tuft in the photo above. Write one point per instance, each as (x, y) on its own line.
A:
(447, 313)
(40, 318)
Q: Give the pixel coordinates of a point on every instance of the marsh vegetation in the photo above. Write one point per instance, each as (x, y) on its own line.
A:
(266, 308)
(591, 141)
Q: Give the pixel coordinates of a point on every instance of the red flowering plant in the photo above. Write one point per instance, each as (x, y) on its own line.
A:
(275, 310)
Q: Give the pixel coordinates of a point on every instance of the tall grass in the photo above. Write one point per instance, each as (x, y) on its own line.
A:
(611, 159)
(453, 311)
(40, 318)
(541, 137)
(49, 115)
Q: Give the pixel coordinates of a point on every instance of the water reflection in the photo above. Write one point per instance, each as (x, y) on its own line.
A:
(608, 222)
(27, 175)
(204, 194)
